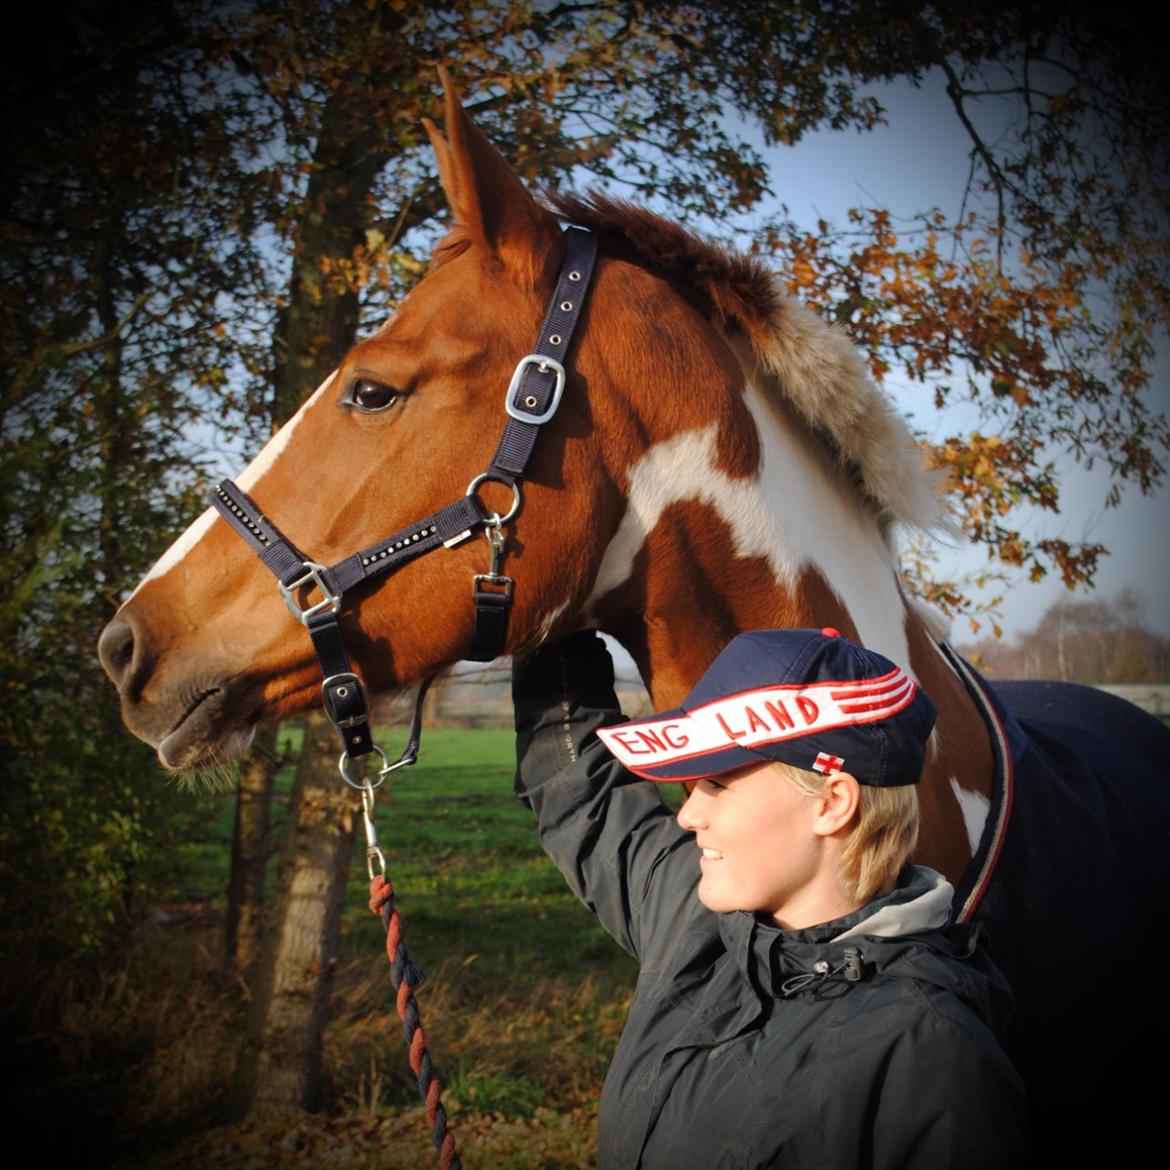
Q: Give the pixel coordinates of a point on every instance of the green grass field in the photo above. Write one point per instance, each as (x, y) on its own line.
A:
(522, 1007)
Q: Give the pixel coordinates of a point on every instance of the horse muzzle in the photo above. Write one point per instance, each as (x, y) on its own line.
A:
(193, 721)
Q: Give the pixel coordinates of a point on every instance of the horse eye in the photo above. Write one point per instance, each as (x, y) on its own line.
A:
(371, 396)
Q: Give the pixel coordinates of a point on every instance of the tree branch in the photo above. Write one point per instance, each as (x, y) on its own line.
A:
(956, 93)
(58, 352)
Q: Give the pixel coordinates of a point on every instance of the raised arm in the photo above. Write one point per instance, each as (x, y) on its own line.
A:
(609, 833)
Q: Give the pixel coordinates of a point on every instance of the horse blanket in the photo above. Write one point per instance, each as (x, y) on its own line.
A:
(1075, 913)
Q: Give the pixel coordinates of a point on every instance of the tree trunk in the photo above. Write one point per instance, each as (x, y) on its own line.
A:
(250, 849)
(280, 1068)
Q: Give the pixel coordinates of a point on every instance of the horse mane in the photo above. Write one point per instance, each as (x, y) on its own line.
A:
(812, 365)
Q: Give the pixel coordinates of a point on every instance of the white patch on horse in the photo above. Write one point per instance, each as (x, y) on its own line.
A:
(255, 471)
(975, 809)
(798, 512)
(246, 480)
(194, 533)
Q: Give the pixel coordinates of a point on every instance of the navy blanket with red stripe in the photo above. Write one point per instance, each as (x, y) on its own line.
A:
(1076, 915)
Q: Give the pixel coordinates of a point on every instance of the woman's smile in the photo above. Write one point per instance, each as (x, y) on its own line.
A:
(769, 856)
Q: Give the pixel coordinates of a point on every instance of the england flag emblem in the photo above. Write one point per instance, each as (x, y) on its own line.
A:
(827, 763)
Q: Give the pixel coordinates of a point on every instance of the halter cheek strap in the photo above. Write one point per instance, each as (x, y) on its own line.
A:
(533, 396)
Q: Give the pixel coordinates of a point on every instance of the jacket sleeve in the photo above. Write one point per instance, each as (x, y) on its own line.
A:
(608, 832)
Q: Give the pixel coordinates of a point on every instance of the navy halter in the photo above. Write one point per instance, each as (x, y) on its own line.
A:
(534, 394)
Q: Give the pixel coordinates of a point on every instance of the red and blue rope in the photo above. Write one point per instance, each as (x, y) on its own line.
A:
(404, 978)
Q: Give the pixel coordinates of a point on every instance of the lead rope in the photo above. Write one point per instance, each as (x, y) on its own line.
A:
(404, 975)
(404, 978)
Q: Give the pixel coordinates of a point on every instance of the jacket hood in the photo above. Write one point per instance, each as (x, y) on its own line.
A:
(905, 935)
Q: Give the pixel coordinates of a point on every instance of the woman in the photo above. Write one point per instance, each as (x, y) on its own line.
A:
(812, 1006)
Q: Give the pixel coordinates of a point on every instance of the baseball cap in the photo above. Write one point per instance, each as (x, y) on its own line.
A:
(809, 698)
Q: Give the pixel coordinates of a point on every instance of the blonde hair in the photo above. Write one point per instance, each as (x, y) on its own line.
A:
(881, 838)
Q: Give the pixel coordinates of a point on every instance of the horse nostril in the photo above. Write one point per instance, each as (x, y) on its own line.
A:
(116, 651)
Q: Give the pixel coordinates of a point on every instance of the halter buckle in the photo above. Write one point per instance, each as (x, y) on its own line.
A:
(545, 365)
(345, 692)
(330, 602)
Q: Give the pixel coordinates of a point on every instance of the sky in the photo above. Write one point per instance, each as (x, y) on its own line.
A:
(920, 160)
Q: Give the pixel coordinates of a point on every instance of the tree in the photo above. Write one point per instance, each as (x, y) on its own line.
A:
(1036, 302)
(280, 1062)
(251, 848)
(1096, 641)
(114, 251)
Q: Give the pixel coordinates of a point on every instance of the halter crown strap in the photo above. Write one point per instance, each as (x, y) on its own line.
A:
(533, 397)
(539, 380)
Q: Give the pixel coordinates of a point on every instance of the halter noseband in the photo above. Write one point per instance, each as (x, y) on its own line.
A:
(532, 400)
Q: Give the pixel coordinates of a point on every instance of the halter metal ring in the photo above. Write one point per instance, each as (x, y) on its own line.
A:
(362, 785)
(495, 519)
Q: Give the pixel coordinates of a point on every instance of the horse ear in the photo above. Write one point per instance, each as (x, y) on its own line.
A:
(486, 195)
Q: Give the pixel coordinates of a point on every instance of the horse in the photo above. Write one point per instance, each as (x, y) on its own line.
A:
(715, 459)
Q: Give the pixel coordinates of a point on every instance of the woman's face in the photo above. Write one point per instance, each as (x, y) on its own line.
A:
(759, 850)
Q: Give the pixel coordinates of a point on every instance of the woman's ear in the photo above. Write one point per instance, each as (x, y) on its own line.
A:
(837, 805)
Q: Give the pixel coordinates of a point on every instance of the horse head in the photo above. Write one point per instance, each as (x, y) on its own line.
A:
(205, 647)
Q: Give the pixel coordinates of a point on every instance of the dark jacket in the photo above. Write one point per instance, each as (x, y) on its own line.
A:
(747, 1045)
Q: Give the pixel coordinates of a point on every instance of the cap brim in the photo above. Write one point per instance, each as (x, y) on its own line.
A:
(656, 749)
